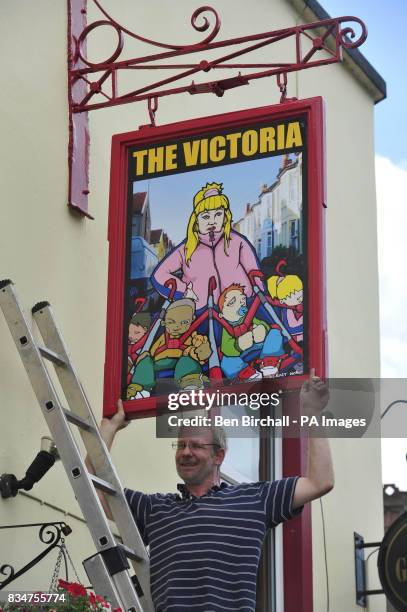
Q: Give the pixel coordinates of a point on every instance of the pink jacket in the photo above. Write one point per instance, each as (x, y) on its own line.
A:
(209, 259)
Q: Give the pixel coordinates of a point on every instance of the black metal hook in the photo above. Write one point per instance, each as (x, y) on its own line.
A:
(52, 538)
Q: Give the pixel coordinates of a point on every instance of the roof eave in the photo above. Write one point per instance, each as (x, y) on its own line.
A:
(354, 60)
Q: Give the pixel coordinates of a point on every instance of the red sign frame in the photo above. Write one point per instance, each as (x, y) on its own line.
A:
(312, 112)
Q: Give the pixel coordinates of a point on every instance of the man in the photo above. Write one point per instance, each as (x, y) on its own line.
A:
(205, 542)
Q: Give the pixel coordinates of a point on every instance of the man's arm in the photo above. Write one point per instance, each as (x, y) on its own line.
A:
(319, 480)
(108, 429)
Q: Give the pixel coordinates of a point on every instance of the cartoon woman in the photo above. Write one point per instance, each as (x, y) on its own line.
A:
(289, 291)
(211, 248)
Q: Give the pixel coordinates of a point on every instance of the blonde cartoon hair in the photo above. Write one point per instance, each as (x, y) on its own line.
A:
(283, 286)
(209, 197)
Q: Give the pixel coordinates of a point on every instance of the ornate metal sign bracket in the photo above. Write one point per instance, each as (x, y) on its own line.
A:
(50, 533)
(95, 85)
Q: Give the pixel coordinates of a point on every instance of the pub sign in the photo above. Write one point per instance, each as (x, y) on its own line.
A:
(216, 255)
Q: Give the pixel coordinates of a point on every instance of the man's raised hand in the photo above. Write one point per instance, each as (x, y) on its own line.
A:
(117, 422)
(314, 395)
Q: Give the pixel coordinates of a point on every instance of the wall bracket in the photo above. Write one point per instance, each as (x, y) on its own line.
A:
(95, 84)
(50, 533)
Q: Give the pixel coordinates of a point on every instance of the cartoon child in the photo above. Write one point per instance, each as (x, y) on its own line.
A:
(138, 327)
(172, 351)
(211, 249)
(261, 344)
(289, 291)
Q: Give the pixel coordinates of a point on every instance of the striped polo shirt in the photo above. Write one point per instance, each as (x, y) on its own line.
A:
(205, 551)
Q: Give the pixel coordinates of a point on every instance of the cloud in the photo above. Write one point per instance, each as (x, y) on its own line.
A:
(391, 189)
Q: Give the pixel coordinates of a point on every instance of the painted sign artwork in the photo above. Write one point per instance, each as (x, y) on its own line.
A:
(216, 271)
(215, 260)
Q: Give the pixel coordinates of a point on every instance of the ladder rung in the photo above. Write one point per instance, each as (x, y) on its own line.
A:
(52, 356)
(103, 485)
(130, 554)
(77, 420)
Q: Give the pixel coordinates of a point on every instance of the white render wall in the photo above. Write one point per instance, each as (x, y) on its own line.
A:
(51, 254)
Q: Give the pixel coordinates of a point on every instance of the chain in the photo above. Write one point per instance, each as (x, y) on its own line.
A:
(71, 564)
(62, 552)
(54, 579)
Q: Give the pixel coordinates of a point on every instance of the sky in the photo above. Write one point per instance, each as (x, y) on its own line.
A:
(386, 49)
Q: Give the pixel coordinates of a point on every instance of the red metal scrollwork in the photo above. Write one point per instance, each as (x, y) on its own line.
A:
(94, 84)
(329, 36)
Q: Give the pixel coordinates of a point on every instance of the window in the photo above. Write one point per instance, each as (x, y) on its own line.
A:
(250, 459)
(269, 243)
(294, 234)
(241, 463)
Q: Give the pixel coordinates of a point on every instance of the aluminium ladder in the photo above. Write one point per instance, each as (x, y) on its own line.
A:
(108, 570)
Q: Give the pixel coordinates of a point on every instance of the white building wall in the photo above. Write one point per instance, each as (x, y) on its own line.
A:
(50, 253)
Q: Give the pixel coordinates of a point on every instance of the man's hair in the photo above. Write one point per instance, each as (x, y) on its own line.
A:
(219, 437)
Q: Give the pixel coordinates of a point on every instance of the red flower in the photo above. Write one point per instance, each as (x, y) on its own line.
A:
(117, 610)
(95, 599)
(100, 600)
(75, 589)
(92, 600)
(63, 584)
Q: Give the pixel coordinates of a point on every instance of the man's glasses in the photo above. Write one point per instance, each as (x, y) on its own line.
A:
(194, 446)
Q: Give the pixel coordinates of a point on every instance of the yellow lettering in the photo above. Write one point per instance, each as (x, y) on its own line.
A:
(233, 138)
(140, 156)
(280, 136)
(267, 139)
(204, 151)
(171, 157)
(191, 150)
(294, 138)
(156, 160)
(217, 148)
(249, 143)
